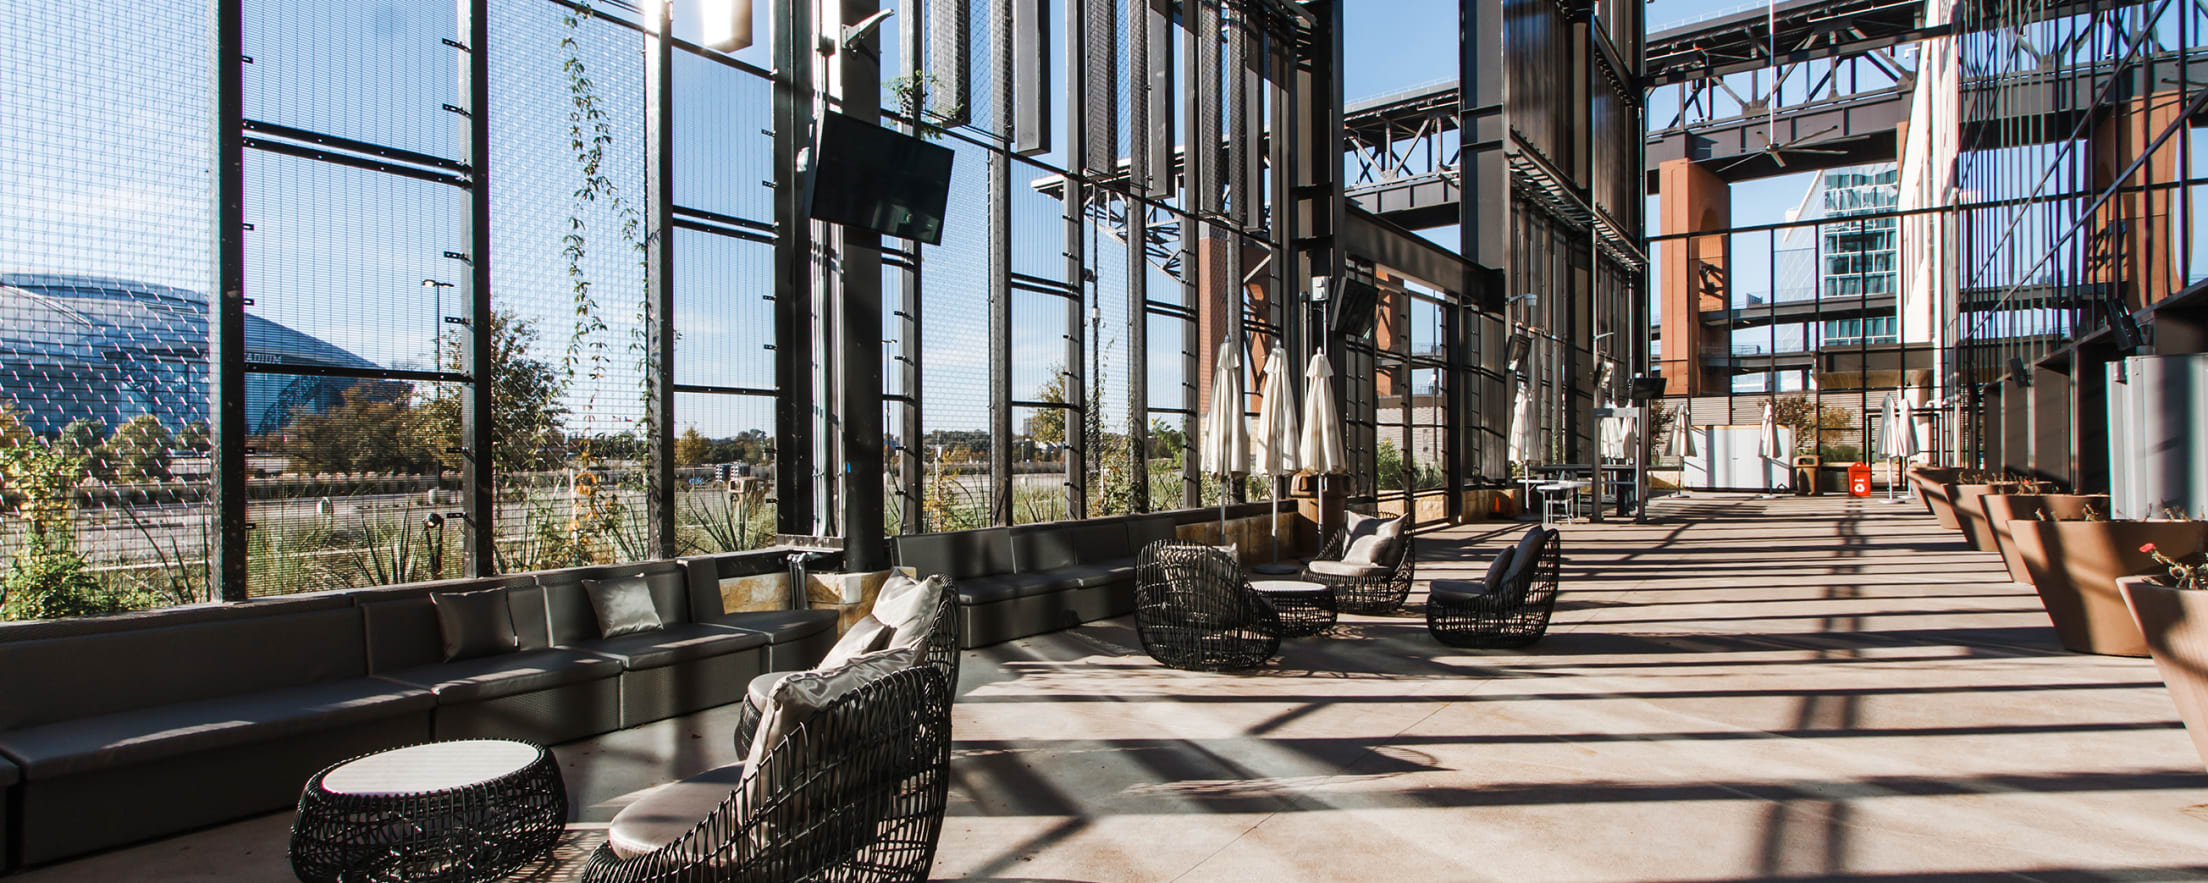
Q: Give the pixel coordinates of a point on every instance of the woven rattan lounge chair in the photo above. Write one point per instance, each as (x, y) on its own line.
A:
(941, 649)
(1378, 586)
(1195, 610)
(857, 792)
(1511, 607)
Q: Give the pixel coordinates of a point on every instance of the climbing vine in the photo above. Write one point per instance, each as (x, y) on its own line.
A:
(592, 511)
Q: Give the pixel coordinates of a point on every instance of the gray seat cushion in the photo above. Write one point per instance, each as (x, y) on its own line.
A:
(1089, 576)
(682, 642)
(159, 732)
(783, 626)
(662, 815)
(991, 589)
(1458, 591)
(1344, 568)
(508, 674)
(763, 686)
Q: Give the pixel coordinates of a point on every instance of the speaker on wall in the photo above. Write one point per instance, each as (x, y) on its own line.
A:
(1355, 301)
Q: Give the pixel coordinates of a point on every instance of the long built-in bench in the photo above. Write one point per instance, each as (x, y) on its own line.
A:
(1020, 581)
(118, 729)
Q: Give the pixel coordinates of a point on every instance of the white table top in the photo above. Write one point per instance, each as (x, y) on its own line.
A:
(1286, 586)
(437, 766)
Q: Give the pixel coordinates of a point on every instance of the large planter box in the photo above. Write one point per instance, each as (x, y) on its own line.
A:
(1939, 497)
(1927, 481)
(2175, 623)
(1970, 517)
(2075, 565)
(2004, 508)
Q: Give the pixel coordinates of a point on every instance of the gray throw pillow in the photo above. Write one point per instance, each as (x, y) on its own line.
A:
(474, 623)
(865, 636)
(624, 605)
(1496, 569)
(1374, 547)
(797, 698)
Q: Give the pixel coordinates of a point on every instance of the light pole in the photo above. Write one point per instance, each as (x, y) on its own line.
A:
(436, 328)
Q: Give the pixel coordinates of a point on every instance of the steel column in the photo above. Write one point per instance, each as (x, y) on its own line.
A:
(854, 72)
(659, 287)
(793, 273)
(478, 431)
(226, 325)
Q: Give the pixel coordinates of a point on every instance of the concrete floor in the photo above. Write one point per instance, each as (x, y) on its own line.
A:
(1789, 689)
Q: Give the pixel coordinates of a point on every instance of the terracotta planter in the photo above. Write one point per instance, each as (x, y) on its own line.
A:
(2004, 508)
(2075, 565)
(1970, 517)
(2175, 623)
(1924, 480)
(1938, 497)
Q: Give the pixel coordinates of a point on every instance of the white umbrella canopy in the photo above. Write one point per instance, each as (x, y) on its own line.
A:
(1273, 440)
(1767, 435)
(1320, 448)
(1521, 425)
(1226, 447)
(1681, 444)
(1900, 437)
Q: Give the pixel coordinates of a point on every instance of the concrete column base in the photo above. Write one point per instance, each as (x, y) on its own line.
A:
(851, 595)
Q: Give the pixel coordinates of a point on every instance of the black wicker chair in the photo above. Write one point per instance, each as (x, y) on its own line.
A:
(1381, 588)
(1513, 610)
(1195, 610)
(856, 793)
(941, 651)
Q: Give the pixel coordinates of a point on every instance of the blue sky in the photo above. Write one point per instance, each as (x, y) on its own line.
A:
(105, 164)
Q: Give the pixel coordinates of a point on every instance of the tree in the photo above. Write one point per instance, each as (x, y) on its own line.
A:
(692, 448)
(366, 431)
(1806, 418)
(525, 393)
(82, 439)
(139, 450)
(12, 431)
(46, 577)
(1047, 426)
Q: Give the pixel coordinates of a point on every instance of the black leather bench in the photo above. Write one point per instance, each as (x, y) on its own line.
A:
(1033, 579)
(150, 727)
(535, 691)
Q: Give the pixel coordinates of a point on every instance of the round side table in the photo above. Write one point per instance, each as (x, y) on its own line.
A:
(1304, 608)
(467, 811)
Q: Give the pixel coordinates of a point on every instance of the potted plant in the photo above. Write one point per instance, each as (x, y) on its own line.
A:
(2172, 614)
(2001, 509)
(2075, 566)
(1970, 517)
(1931, 484)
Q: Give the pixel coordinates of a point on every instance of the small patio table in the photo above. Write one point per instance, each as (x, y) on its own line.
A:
(464, 811)
(1304, 608)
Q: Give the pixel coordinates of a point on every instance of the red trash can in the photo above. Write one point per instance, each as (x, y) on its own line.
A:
(1859, 480)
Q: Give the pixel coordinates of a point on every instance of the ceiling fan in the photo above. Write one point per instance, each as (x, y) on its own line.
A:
(1777, 151)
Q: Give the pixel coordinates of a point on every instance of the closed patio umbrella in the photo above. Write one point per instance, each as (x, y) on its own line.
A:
(1767, 439)
(1898, 442)
(1521, 425)
(1273, 441)
(1320, 448)
(1226, 447)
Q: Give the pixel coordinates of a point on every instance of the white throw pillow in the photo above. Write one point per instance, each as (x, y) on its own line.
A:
(866, 636)
(802, 695)
(1375, 547)
(908, 607)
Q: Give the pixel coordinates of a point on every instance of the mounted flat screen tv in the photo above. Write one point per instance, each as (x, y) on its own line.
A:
(863, 175)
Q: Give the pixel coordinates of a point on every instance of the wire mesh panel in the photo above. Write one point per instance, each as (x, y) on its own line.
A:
(103, 311)
(954, 376)
(566, 232)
